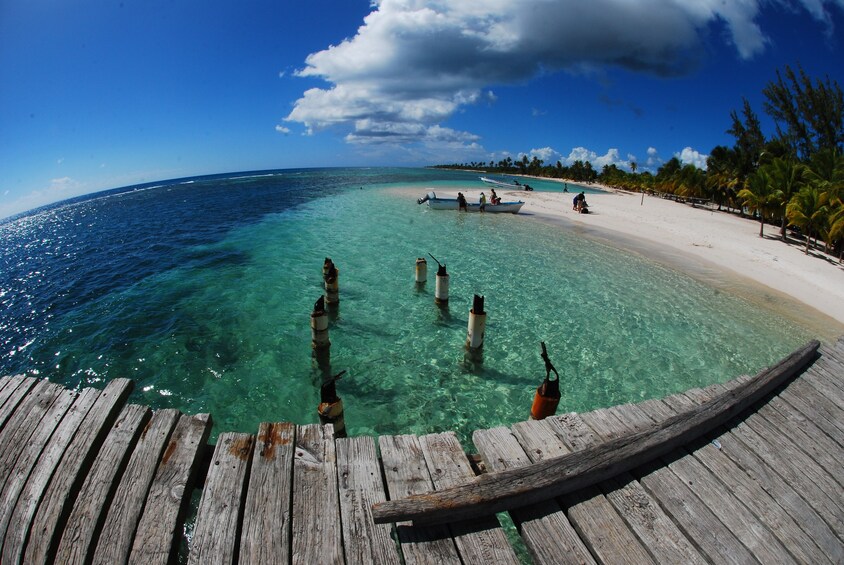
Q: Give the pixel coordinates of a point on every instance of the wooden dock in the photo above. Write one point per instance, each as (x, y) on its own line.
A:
(88, 478)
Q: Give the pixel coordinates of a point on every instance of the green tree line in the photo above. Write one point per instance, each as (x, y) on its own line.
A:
(793, 178)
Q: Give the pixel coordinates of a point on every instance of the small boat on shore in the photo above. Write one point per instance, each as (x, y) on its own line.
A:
(515, 185)
(437, 203)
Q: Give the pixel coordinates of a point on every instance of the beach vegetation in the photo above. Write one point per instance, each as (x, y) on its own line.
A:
(791, 177)
(808, 210)
(759, 195)
(785, 177)
(809, 115)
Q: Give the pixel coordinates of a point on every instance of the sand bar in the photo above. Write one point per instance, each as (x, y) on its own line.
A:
(719, 248)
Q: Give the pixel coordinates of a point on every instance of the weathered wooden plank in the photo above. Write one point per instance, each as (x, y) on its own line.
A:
(764, 474)
(494, 492)
(808, 466)
(807, 436)
(659, 534)
(478, 541)
(600, 527)
(656, 409)
(833, 354)
(88, 513)
(406, 473)
(539, 523)
(47, 410)
(217, 529)
(127, 504)
(57, 501)
(170, 492)
(573, 430)
(751, 495)
(693, 517)
(22, 424)
(818, 379)
(317, 533)
(266, 516)
(360, 486)
(731, 512)
(816, 408)
(798, 544)
(697, 508)
(16, 388)
(797, 470)
(21, 518)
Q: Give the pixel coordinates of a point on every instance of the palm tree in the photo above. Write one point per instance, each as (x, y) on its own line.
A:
(836, 228)
(808, 210)
(786, 178)
(758, 196)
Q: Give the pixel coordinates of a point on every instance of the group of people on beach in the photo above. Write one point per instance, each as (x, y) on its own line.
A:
(578, 204)
(463, 206)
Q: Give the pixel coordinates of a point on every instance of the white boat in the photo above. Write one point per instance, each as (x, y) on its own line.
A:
(437, 203)
(515, 185)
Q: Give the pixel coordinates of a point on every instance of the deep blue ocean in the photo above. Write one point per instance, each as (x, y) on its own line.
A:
(201, 289)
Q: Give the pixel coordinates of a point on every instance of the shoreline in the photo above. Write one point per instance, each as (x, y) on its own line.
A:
(717, 248)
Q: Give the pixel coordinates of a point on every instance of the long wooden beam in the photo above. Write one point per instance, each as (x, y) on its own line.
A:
(550, 478)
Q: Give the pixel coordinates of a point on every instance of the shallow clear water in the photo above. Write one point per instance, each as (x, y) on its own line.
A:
(202, 293)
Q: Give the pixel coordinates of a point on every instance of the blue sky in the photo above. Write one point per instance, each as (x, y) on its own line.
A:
(96, 95)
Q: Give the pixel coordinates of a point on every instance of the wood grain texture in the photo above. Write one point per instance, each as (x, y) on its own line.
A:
(265, 539)
(127, 504)
(217, 529)
(170, 492)
(317, 533)
(360, 485)
(17, 531)
(89, 511)
(406, 473)
(57, 502)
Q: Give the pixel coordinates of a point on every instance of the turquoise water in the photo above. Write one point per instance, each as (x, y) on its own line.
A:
(224, 328)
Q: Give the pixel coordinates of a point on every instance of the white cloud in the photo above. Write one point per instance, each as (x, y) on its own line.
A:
(693, 157)
(653, 161)
(611, 157)
(548, 155)
(414, 63)
(282, 129)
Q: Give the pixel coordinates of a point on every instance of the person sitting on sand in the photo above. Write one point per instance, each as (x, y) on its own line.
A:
(461, 202)
(482, 202)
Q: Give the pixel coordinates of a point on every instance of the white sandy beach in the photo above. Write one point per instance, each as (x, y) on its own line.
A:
(722, 248)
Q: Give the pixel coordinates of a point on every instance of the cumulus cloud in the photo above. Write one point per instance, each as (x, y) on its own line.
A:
(546, 154)
(654, 160)
(282, 129)
(414, 63)
(692, 157)
(611, 157)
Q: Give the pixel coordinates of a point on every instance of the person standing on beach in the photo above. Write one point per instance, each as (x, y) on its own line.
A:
(482, 202)
(493, 198)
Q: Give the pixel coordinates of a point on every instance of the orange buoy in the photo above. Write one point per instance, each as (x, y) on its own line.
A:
(547, 396)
